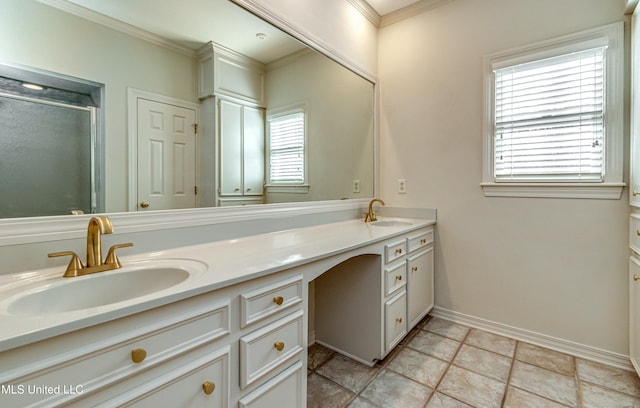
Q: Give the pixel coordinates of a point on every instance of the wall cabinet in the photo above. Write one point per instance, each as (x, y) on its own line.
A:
(241, 146)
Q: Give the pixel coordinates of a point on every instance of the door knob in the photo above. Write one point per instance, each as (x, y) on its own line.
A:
(144, 204)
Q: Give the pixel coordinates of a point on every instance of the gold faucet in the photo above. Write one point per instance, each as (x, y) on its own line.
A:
(371, 215)
(98, 226)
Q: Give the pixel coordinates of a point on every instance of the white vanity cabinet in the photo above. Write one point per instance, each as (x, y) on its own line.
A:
(366, 305)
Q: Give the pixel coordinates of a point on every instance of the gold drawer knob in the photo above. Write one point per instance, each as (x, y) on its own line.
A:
(636, 278)
(423, 241)
(399, 277)
(278, 300)
(398, 251)
(638, 232)
(138, 355)
(208, 387)
(399, 319)
(635, 193)
(279, 345)
(414, 269)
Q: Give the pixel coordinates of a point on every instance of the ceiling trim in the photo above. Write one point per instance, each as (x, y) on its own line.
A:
(411, 10)
(117, 25)
(630, 6)
(367, 11)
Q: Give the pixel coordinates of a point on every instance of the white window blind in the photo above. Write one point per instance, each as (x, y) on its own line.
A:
(549, 119)
(286, 148)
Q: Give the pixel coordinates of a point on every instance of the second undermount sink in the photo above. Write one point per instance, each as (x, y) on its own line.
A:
(390, 223)
(104, 288)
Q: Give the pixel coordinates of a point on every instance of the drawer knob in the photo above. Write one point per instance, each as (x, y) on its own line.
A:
(208, 387)
(414, 269)
(399, 277)
(636, 278)
(635, 193)
(279, 345)
(138, 355)
(638, 232)
(278, 300)
(399, 319)
(423, 241)
(398, 251)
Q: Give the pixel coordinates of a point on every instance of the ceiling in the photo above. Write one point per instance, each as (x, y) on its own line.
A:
(387, 6)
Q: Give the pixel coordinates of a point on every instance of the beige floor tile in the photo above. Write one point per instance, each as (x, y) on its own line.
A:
(517, 398)
(318, 355)
(390, 389)
(472, 388)
(446, 328)
(434, 345)
(617, 379)
(594, 396)
(362, 403)
(443, 401)
(350, 374)
(545, 358)
(545, 383)
(492, 342)
(484, 362)
(322, 393)
(419, 367)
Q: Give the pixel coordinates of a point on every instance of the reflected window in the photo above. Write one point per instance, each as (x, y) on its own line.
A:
(287, 147)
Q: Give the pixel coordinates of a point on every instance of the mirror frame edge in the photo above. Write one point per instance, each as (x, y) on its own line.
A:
(16, 231)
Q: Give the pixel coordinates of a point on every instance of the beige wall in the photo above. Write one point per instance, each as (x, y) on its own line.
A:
(556, 267)
(43, 37)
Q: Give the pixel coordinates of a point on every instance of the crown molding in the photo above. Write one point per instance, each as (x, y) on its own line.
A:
(411, 10)
(630, 6)
(367, 11)
(117, 25)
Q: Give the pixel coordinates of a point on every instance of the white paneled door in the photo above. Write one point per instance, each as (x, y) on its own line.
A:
(166, 156)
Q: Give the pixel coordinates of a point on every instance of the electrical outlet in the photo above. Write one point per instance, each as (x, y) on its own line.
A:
(356, 186)
(402, 186)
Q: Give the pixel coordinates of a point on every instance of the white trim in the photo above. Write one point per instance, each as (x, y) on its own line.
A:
(554, 343)
(410, 11)
(613, 183)
(132, 137)
(118, 25)
(366, 10)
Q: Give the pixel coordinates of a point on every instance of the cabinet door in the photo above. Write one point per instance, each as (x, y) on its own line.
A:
(253, 136)
(230, 122)
(634, 312)
(419, 285)
(287, 389)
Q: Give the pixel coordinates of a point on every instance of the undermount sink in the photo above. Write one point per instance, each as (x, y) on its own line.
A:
(390, 223)
(103, 288)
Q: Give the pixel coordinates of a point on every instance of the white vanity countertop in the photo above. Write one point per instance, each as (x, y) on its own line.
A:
(229, 262)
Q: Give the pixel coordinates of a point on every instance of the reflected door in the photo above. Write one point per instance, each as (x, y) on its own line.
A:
(166, 156)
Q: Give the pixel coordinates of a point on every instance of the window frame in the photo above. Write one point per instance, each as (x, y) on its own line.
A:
(287, 186)
(611, 36)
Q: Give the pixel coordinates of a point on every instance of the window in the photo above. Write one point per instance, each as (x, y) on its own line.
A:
(287, 150)
(553, 114)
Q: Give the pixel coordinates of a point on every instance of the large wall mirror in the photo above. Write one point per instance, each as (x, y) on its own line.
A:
(121, 45)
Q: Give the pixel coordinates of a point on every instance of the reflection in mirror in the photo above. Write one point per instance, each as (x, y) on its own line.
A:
(161, 51)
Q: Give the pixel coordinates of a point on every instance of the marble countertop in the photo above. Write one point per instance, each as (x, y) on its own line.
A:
(223, 263)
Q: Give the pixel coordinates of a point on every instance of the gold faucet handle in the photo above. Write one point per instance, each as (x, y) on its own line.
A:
(75, 265)
(112, 259)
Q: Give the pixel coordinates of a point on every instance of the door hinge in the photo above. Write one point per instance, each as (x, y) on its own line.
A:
(195, 128)
(195, 190)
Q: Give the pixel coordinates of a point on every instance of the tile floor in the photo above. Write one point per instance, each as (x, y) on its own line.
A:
(445, 365)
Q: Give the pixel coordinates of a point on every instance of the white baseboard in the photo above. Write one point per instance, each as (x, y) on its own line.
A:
(564, 346)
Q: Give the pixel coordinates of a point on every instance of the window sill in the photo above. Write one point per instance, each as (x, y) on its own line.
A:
(288, 188)
(604, 191)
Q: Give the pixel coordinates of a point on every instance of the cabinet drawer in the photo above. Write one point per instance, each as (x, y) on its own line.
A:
(394, 278)
(267, 348)
(395, 312)
(395, 250)
(634, 233)
(113, 361)
(287, 389)
(264, 302)
(203, 382)
(415, 242)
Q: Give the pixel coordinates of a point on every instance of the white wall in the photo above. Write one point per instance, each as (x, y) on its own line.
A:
(43, 37)
(556, 267)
